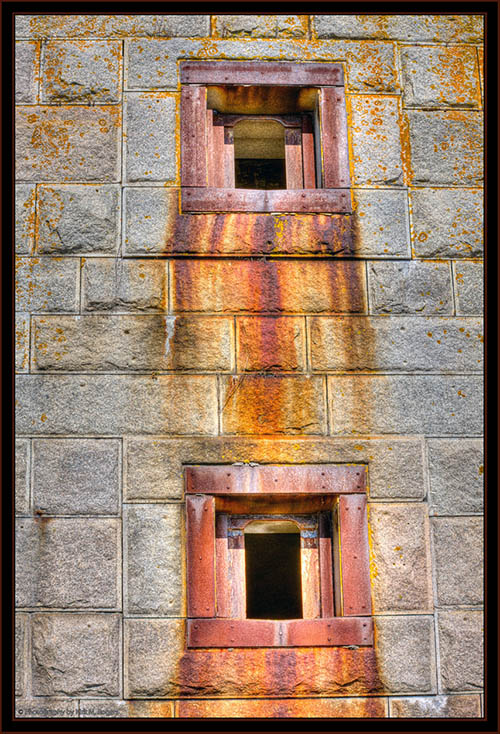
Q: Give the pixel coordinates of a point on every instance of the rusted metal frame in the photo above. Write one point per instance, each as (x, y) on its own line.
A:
(354, 555)
(273, 504)
(223, 604)
(200, 531)
(309, 572)
(286, 633)
(293, 158)
(193, 136)
(258, 73)
(276, 479)
(236, 579)
(215, 151)
(228, 159)
(230, 120)
(333, 122)
(325, 564)
(265, 200)
(308, 155)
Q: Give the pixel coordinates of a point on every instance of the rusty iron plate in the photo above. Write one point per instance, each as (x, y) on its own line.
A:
(264, 200)
(200, 521)
(275, 73)
(298, 479)
(193, 136)
(334, 138)
(355, 559)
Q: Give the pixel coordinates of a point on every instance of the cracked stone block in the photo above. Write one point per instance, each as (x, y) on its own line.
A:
(261, 26)
(400, 560)
(22, 482)
(405, 653)
(271, 344)
(68, 143)
(21, 635)
(26, 72)
(436, 707)
(154, 579)
(131, 285)
(440, 76)
(439, 28)
(150, 137)
(47, 575)
(447, 223)
(381, 223)
(461, 638)
(78, 219)
(179, 404)
(47, 284)
(112, 26)
(410, 287)
(446, 147)
(25, 218)
(76, 476)
(108, 343)
(456, 476)
(469, 287)
(84, 72)
(152, 651)
(376, 142)
(458, 551)
(22, 341)
(76, 654)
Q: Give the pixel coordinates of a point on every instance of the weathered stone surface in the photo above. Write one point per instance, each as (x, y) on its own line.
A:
(440, 76)
(405, 344)
(406, 404)
(441, 28)
(26, 80)
(446, 147)
(22, 342)
(21, 636)
(303, 708)
(84, 72)
(456, 476)
(469, 287)
(68, 143)
(447, 223)
(271, 344)
(47, 575)
(22, 476)
(152, 650)
(76, 654)
(272, 404)
(410, 287)
(153, 467)
(152, 64)
(76, 476)
(153, 562)
(150, 138)
(126, 285)
(436, 707)
(153, 224)
(376, 142)
(46, 708)
(458, 553)
(102, 709)
(47, 284)
(263, 287)
(116, 404)
(117, 26)
(400, 564)
(405, 653)
(461, 635)
(261, 26)
(102, 342)
(78, 219)
(380, 223)
(480, 57)
(25, 218)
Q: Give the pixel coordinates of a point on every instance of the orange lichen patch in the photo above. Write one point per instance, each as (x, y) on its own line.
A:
(480, 57)
(271, 404)
(377, 72)
(270, 343)
(457, 75)
(296, 672)
(404, 131)
(305, 708)
(267, 287)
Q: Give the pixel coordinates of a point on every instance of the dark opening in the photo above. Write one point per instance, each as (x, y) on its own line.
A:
(273, 581)
(252, 173)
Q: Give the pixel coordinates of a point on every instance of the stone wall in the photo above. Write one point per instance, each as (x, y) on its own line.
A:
(138, 351)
